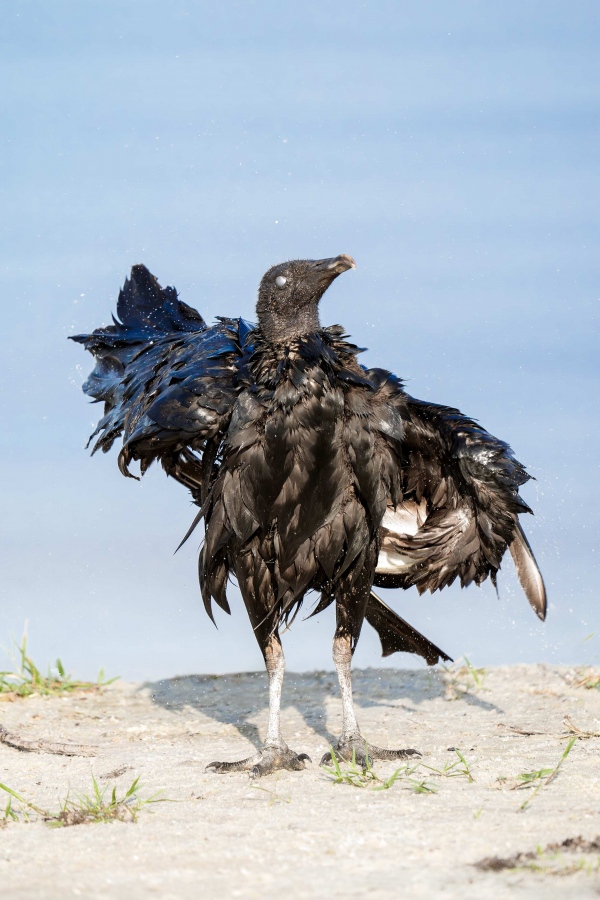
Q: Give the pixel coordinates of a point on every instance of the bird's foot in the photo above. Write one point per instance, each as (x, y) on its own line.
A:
(268, 760)
(354, 746)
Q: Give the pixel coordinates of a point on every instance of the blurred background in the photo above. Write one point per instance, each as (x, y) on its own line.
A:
(452, 149)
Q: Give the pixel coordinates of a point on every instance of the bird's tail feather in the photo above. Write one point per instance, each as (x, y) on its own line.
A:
(397, 635)
(529, 572)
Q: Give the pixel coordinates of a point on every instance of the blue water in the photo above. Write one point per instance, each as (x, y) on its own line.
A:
(451, 149)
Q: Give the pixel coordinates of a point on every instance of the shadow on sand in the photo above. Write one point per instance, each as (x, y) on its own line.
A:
(235, 699)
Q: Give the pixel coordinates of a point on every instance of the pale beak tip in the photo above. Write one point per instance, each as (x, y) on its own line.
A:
(346, 259)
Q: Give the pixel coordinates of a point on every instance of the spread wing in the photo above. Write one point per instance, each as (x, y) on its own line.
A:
(460, 500)
(166, 379)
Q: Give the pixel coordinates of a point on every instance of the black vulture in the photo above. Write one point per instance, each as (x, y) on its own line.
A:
(311, 472)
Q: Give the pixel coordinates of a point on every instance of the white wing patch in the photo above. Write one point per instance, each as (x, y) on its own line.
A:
(407, 518)
(391, 563)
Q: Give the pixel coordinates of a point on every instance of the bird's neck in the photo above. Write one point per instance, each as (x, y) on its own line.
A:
(326, 348)
(281, 330)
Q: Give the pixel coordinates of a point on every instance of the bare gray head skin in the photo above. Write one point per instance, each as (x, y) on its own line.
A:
(289, 295)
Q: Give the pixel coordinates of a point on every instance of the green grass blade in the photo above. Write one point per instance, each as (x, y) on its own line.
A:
(13, 793)
(132, 788)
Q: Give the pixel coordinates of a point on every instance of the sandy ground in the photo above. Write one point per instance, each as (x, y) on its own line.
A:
(299, 834)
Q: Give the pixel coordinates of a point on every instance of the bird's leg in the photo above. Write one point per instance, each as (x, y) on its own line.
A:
(342, 660)
(275, 754)
(275, 663)
(351, 743)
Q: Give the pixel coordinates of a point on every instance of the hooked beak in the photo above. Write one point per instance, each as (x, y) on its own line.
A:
(334, 266)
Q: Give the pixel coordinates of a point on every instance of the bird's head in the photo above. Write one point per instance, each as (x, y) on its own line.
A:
(289, 294)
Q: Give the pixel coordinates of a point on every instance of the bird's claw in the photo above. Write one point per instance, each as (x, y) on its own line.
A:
(354, 747)
(220, 768)
(268, 760)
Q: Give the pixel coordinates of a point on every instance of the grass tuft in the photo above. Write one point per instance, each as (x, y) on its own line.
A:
(458, 769)
(364, 776)
(352, 774)
(27, 679)
(463, 679)
(540, 778)
(101, 805)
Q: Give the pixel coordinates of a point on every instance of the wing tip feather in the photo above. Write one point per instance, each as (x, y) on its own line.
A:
(529, 573)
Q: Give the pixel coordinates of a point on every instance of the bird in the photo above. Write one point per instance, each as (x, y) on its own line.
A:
(311, 473)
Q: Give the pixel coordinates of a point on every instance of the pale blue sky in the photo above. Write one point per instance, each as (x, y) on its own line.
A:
(452, 149)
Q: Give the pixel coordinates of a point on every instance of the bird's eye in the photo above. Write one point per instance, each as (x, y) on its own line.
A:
(280, 281)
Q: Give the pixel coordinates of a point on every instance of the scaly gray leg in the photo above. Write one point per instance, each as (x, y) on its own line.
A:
(351, 742)
(275, 754)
